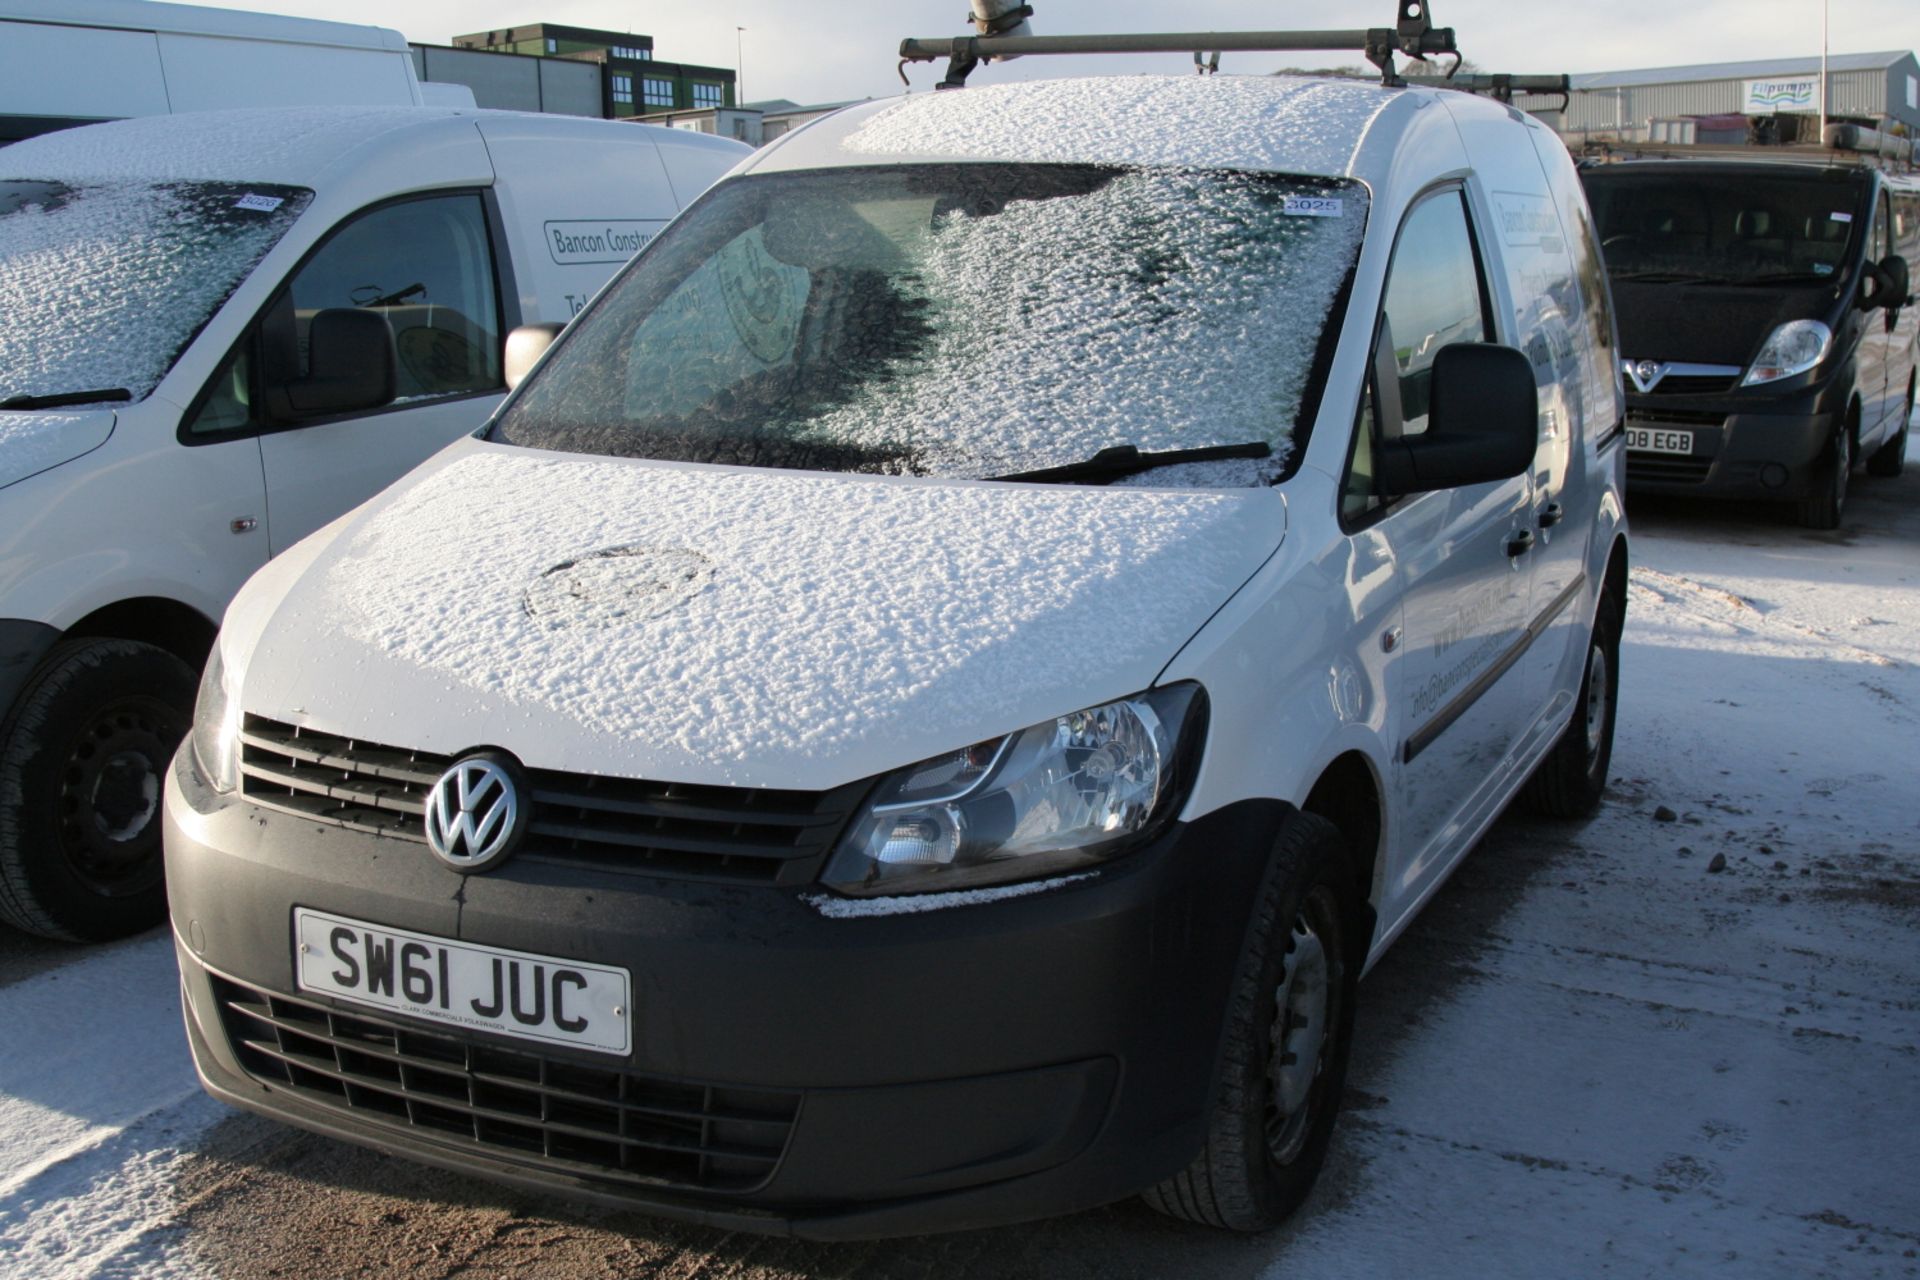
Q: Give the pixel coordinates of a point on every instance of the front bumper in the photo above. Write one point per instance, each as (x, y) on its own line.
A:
(1747, 445)
(893, 1074)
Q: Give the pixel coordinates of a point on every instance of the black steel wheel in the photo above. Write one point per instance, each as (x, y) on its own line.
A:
(83, 760)
(1284, 1061)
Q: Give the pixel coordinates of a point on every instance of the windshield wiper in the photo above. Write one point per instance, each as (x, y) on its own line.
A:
(1126, 460)
(62, 398)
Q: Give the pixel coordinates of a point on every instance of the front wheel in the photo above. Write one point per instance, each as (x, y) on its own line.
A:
(82, 760)
(1823, 507)
(1569, 782)
(1890, 459)
(1284, 1062)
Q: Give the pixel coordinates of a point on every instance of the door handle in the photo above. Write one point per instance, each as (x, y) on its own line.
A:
(1519, 542)
(1551, 515)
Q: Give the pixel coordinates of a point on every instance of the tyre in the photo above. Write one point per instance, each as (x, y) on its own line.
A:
(82, 759)
(1890, 459)
(1822, 508)
(1569, 782)
(1284, 1062)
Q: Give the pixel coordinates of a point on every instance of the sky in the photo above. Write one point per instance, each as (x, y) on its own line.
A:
(815, 53)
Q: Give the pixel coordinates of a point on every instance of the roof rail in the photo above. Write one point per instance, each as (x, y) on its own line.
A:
(1501, 87)
(1413, 35)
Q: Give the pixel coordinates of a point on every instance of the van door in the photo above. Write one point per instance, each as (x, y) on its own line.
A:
(1465, 585)
(428, 266)
(1876, 341)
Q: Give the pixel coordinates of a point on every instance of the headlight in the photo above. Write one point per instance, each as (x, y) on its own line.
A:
(1795, 347)
(216, 726)
(1064, 793)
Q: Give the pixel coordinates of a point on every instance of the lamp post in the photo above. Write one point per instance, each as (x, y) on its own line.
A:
(739, 66)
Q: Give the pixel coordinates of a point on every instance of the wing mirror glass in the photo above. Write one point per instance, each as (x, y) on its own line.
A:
(525, 346)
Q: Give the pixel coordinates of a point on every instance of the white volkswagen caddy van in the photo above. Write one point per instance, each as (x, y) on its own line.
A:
(218, 331)
(920, 709)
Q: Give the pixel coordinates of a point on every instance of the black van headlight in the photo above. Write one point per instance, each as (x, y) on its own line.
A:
(1793, 348)
(1064, 793)
(216, 726)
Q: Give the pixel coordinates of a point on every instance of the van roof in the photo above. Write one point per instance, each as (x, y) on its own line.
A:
(1284, 124)
(295, 146)
(201, 20)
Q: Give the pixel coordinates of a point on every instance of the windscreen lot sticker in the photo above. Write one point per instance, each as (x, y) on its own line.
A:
(510, 993)
(1314, 207)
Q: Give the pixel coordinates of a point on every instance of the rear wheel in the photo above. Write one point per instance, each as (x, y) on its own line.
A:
(1823, 507)
(82, 760)
(1570, 781)
(1284, 1062)
(1890, 459)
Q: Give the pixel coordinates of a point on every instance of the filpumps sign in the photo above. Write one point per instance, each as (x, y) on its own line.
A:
(1799, 95)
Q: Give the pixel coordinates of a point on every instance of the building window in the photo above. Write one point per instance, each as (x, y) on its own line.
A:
(707, 95)
(657, 93)
(631, 54)
(553, 46)
(623, 89)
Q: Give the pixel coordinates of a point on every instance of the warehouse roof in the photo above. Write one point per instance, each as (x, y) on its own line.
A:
(1753, 70)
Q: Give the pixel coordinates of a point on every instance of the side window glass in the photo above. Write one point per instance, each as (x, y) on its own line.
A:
(427, 267)
(1434, 297)
(1359, 495)
(229, 404)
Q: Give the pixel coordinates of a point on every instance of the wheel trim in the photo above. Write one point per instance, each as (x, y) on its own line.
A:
(1296, 1060)
(109, 800)
(1599, 690)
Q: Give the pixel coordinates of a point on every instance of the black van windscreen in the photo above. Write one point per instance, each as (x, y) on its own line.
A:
(1686, 226)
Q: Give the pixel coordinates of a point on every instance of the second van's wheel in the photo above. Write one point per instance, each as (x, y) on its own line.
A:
(1822, 508)
(1290, 1024)
(1890, 459)
(1571, 780)
(83, 761)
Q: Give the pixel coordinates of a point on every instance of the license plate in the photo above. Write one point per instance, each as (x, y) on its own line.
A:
(1659, 440)
(511, 993)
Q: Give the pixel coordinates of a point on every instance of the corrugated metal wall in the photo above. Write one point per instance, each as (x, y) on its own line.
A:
(1873, 94)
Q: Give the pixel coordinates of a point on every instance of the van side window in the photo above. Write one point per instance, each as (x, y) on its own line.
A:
(427, 266)
(1436, 295)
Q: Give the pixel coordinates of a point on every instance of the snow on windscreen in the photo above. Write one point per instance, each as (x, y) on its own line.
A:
(103, 284)
(965, 321)
(1274, 123)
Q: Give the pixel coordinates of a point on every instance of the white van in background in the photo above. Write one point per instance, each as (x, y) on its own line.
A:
(218, 332)
(70, 62)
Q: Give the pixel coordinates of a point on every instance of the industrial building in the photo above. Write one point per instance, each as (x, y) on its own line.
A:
(1775, 100)
(633, 81)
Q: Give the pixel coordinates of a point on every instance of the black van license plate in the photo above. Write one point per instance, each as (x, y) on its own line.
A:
(1659, 440)
(510, 993)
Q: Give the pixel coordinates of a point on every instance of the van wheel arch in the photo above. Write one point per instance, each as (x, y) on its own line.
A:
(1347, 794)
(167, 624)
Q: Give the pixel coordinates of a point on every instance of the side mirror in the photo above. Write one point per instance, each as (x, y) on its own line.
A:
(525, 346)
(350, 366)
(1896, 288)
(1483, 423)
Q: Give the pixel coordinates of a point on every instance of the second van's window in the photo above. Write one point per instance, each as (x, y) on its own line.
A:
(427, 266)
(1683, 227)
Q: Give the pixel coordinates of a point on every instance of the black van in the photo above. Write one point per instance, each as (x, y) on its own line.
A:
(1766, 338)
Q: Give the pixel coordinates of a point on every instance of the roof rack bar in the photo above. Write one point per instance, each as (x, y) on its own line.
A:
(1414, 38)
(1501, 87)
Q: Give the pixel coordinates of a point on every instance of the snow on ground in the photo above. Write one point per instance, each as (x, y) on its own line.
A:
(1595, 1053)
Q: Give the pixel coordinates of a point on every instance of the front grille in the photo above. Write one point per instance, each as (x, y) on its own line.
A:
(738, 834)
(1661, 468)
(588, 1120)
(1694, 384)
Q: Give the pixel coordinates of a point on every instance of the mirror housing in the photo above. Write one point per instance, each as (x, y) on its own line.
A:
(1895, 289)
(350, 366)
(1483, 423)
(525, 346)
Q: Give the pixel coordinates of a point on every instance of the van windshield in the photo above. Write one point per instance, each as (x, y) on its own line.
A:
(962, 320)
(1690, 227)
(104, 284)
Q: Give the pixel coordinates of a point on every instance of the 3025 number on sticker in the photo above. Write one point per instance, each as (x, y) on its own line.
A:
(1314, 207)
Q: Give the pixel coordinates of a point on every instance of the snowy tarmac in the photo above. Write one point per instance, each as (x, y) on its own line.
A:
(1681, 1038)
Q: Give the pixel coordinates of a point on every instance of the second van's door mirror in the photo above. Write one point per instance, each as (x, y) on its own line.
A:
(350, 367)
(1894, 287)
(1483, 419)
(525, 346)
